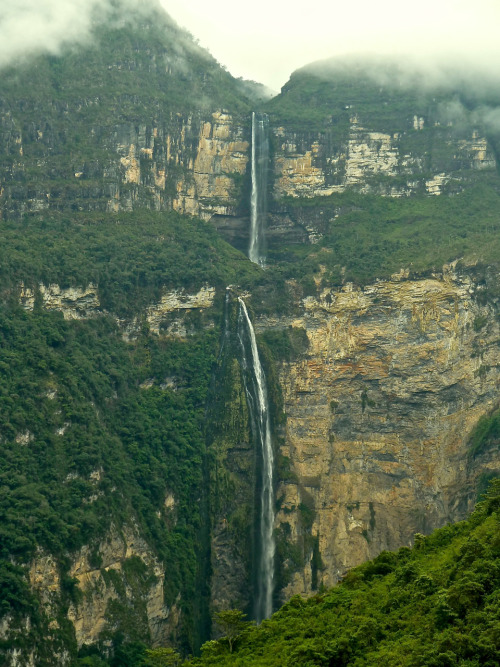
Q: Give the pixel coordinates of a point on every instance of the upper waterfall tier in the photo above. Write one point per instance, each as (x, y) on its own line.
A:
(258, 202)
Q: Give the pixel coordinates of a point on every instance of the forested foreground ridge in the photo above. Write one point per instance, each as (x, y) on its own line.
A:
(130, 474)
(434, 604)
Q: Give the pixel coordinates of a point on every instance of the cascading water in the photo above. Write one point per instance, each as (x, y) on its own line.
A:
(256, 391)
(258, 201)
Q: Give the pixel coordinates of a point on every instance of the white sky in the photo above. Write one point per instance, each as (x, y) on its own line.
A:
(266, 40)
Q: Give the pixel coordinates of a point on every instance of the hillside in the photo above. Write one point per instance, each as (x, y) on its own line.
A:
(434, 604)
(113, 124)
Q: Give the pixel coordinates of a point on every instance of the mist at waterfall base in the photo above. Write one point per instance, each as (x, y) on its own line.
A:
(258, 200)
(258, 405)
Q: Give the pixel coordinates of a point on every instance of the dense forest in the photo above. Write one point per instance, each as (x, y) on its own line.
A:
(434, 604)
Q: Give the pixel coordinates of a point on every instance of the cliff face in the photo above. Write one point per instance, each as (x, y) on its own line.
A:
(309, 164)
(374, 448)
(135, 119)
(379, 128)
(427, 156)
(77, 303)
(119, 581)
(197, 164)
(126, 586)
(379, 414)
(192, 163)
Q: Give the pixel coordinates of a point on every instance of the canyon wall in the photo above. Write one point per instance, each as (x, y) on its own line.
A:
(379, 413)
(418, 160)
(372, 417)
(192, 163)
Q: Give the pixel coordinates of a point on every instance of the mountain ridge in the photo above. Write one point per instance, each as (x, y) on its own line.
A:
(129, 477)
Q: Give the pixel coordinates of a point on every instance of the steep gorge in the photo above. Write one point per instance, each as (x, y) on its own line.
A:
(376, 385)
(379, 413)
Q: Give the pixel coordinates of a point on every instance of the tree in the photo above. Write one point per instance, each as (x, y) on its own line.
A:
(232, 624)
(162, 657)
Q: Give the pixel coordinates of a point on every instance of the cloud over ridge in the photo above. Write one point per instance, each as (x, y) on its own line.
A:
(32, 27)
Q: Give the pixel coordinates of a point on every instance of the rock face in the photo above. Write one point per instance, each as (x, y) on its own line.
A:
(232, 484)
(189, 167)
(378, 409)
(77, 303)
(198, 163)
(379, 412)
(190, 163)
(128, 581)
(221, 153)
(119, 579)
(370, 161)
(178, 301)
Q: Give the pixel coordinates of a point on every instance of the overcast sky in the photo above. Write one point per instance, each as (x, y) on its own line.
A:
(266, 40)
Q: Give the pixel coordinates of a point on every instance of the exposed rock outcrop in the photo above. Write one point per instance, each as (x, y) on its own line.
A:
(75, 303)
(178, 300)
(118, 577)
(123, 557)
(379, 412)
(191, 163)
(314, 164)
(83, 302)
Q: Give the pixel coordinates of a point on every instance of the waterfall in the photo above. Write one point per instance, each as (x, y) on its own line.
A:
(256, 391)
(258, 201)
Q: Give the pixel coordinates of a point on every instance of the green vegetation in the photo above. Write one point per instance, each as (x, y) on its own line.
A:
(97, 432)
(286, 344)
(131, 258)
(433, 605)
(486, 434)
(384, 95)
(84, 448)
(162, 657)
(325, 101)
(67, 119)
(231, 624)
(371, 237)
(107, 76)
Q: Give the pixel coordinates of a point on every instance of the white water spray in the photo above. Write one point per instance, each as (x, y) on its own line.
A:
(256, 391)
(258, 201)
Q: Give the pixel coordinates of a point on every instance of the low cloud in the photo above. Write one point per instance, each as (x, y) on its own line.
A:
(471, 83)
(483, 116)
(479, 75)
(32, 27)
(266, 41)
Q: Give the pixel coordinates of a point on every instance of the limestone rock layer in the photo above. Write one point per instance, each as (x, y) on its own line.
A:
(379, 413)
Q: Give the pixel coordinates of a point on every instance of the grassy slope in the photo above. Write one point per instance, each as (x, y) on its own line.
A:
(436, 604)
(74, 388)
